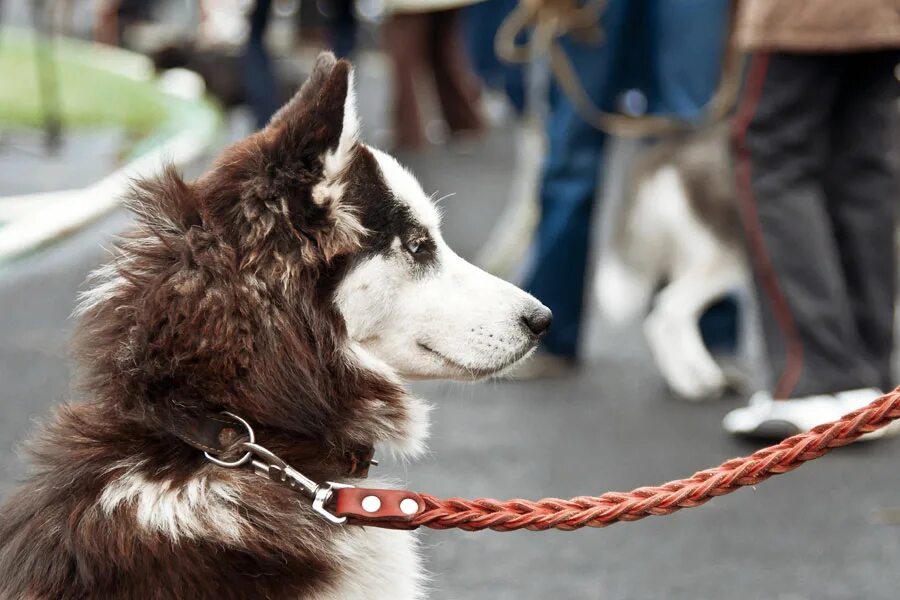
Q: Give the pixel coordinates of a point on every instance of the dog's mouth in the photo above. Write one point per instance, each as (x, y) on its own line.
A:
(478, 372)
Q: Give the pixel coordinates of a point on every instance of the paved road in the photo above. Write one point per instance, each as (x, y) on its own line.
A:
(809, 534)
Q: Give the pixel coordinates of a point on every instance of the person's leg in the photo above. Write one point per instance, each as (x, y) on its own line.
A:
(569, 186)
(456, 84)
(480, 24)
(862, 191)
(342, 27)
(687, 47)
(256, 72)
(781, 147)
(406, 37)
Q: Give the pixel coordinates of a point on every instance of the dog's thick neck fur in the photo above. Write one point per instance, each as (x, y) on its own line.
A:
(220, 299)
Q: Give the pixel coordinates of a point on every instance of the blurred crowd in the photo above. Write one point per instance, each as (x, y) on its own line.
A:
(228, 45)
(808, 91)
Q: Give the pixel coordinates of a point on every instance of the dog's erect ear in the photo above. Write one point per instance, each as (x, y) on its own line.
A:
(322, 115)
(305, 151)
(322, 69)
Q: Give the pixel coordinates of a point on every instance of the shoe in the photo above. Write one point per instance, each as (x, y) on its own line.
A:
(766, 418)
(541, 366)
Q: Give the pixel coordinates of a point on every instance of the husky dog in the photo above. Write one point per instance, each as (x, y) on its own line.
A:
(296, 284)
(679, 228)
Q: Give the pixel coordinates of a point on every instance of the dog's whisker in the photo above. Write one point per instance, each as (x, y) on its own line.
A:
(444, 197)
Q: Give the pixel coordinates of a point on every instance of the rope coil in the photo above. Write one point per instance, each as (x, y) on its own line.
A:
(544, 23)
(612, 507)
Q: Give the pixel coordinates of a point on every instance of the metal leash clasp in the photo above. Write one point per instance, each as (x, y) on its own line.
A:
(276, 469)
(270, 465)
(323, 497)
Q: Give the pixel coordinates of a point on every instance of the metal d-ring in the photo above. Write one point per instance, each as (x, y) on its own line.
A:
(246, 457)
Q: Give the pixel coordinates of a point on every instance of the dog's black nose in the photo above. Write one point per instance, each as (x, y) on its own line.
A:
(538, 320)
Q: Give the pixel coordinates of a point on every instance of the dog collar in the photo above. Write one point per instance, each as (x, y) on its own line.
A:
(216, 434)
(337, 503)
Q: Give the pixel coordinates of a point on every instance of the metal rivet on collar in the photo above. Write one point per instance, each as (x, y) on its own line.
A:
(372, 504)
(408, 506)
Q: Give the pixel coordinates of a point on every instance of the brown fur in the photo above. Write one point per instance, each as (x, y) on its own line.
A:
(219, 299)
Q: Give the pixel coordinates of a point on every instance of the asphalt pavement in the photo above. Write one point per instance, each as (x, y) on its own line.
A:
(613, 426)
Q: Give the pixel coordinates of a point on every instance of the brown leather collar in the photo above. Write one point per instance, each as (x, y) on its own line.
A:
(215, 434)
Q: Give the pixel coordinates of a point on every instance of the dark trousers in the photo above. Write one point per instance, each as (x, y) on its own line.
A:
(818, 186)
(257, 73)
(342, 27)
(428, 44)
(481, 21)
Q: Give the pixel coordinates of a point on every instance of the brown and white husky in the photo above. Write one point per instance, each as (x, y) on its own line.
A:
(296, 284)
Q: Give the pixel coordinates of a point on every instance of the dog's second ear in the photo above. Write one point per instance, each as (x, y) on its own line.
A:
(298, 161)
(292, 171)
(321, 71)
(321, 117)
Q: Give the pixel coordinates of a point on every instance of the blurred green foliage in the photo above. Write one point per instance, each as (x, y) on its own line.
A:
(97, 86)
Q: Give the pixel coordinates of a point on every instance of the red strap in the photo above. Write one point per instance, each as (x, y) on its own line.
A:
(390, 509)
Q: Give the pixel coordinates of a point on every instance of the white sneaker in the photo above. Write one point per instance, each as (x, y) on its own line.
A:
(766, 418)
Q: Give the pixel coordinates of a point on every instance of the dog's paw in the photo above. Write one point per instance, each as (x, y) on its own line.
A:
(683, 360)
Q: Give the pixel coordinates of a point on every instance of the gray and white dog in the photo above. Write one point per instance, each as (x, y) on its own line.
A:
(678, 244)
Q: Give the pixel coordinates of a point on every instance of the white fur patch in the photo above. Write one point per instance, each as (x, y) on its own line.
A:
(377, 564)
(415, 429)
(365, 296)
(406, 187)
(337, 160)
(327, 191)
(368, 361)
(105, 284)
(201, 508)
(623, 293)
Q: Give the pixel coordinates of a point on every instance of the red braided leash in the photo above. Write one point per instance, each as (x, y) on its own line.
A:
(600, 511)
(611, 507)
(402, 509)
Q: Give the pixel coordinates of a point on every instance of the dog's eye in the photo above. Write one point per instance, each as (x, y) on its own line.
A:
(421, 249)
(415, 246)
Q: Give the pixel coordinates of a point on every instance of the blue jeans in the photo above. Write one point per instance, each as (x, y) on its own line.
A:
(668, 49)
(480, 24)
(257, 73)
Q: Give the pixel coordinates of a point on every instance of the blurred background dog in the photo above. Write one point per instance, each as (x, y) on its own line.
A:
(677, 247)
